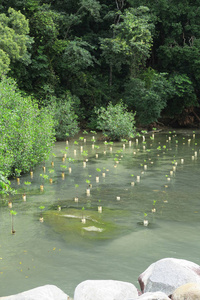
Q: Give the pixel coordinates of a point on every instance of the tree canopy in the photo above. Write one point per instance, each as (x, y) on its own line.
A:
(146, 53)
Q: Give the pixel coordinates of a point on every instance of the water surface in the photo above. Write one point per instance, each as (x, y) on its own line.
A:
(43, 253)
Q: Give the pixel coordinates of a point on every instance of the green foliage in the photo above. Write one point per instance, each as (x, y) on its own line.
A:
(116, 121)
(183, 96)
(67, 124)
(4, 185)
(99, 50)
(14, 42)
(42, 207)
(26, 132)
(131, 42)
(27, 182)
(148, 97)
(77, 57)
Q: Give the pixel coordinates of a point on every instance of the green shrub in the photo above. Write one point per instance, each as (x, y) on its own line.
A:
(5, 185)
(148, 97)
(66, 119)
(26, 133)
(116, 121)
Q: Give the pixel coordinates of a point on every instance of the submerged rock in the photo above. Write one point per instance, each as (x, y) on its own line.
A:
(93, 228)
(167, 274)
(68, 223)
(46, 292)
(105, 290)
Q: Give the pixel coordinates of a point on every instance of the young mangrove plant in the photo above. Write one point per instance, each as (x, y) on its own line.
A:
(76, 197)
(145, 221)
(12, 213)
(153, 208)
(51, 172)
(52, 160)
(132, 182)
(99, 207)
(93, 132)
(41, 218)
(83, 220)
(27, 183)
(31, 173)
(81, 139)
(18, 174)
(85, 133)
(88, 188)
(63, 167)
(64, 152)
(97, 177)
(84, 155)
(44, 177)
(70, 160)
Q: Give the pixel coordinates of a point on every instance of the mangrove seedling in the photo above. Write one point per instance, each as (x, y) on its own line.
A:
(31, 173)
(154, 209)
(145, 222)
(81, 138)
(18, 174)
(93, 131)
(27, 183)
(41, 219)
(87, 181)
(84, 154)
(44, 177)
(88, 188)
(76, 197)
(51, 171)
(83, 220)
(10, 204)
(97, 177)
(99, 207)
(63, 167)
(93, 141)
(64, 152)
(52, 160)
(12, 213)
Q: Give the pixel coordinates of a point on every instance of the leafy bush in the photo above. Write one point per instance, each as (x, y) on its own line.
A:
(183, 96)
(26, 133)
(66, 119)
(5, 185)
(148, 97)
(116, 121)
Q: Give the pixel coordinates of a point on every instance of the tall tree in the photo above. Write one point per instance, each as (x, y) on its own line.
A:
(14, 42)
(131, 41)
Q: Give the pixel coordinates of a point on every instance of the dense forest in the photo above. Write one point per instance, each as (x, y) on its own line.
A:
(80, 55)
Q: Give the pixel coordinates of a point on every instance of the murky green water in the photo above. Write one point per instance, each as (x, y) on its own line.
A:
(59, 251)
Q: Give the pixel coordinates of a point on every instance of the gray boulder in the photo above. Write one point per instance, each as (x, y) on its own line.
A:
(152, 296)
(189, 291)
(46, 292)
(105, 290)
(167, 274)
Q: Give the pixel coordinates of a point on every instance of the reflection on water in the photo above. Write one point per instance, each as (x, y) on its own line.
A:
(56, 253)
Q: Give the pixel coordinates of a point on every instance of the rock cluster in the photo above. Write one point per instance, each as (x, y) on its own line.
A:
(166, 279)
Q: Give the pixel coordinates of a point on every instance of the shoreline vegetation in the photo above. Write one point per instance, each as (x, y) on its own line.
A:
(124, 69)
